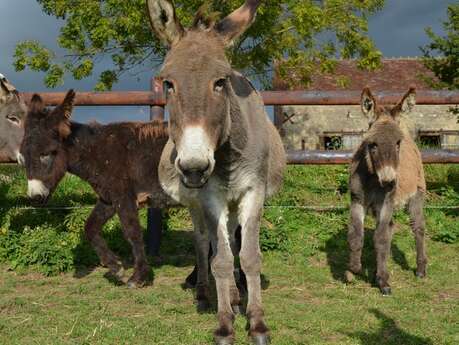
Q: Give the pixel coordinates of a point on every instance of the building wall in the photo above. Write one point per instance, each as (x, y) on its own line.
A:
(309, 123)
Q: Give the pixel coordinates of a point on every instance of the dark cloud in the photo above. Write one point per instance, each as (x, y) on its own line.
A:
(398, 30)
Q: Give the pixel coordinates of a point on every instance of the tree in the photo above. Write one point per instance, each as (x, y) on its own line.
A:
(441, 56)
(119, 29)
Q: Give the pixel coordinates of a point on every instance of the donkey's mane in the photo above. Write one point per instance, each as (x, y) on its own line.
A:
(154, 129)
(384, 127)
(204, 19)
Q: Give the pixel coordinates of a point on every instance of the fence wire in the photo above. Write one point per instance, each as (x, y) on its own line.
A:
(324, 208)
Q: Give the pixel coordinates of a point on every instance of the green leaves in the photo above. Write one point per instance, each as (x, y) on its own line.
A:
(33, 55)
(441, 56)
(302, 33)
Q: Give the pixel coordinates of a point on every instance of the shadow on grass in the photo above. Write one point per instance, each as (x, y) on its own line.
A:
(176, 250)
(389, 333)
(337, 252)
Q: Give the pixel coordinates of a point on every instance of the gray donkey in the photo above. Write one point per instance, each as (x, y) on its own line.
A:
(386, 173)
(12, 114)
(223, 158)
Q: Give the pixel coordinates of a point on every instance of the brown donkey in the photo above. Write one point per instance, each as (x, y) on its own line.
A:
(386, 173)
(224, 156)
(120, 162)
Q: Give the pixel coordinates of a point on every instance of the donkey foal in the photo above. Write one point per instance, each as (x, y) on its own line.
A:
(120, 162)
(386, 173)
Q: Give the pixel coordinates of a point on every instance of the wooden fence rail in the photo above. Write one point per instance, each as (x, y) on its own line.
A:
(152, 98)
(321, 157)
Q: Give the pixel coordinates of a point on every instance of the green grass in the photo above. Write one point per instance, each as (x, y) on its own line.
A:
(305, 255)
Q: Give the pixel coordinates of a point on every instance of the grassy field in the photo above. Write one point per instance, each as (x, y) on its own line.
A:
(305, 256)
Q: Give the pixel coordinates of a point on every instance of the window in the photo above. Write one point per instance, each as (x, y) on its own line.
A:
(333, 142)
(430, 140)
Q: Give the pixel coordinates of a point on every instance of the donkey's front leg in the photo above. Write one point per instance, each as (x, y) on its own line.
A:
(382, 240)
(132, 231)
(222, 265)
(101, 213)
(355, 236)
(250, 212)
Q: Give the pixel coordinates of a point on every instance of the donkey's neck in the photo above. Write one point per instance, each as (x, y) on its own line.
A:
(80, 142)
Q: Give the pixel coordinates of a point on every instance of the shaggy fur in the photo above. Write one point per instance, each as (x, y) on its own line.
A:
(120, 162)
(386, 173)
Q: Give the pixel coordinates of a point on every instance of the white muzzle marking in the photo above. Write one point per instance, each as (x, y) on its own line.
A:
(386, 174)
(195, 146)
(36, 188)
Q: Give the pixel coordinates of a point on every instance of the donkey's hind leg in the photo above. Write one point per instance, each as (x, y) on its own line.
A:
(355, 238)
(418, 226)
(101, 213)
(233, 229)
(132, 231)
(201, 245)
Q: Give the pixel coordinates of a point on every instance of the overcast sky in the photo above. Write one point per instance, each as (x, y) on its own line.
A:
(398, 31)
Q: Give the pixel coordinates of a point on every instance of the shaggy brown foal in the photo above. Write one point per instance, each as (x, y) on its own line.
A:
(386, 173)
(120, 162)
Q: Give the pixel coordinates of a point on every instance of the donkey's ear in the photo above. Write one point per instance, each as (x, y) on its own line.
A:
(407, 103)
(164, 21)
(61, 115)
(235, 24)
(36, 106)
(64, 110)
(368, 103)
(7, 90)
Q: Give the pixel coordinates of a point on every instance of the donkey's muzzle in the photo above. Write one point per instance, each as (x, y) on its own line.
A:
(194, 176)
(39, 200)
(37, 192)
(387, 177)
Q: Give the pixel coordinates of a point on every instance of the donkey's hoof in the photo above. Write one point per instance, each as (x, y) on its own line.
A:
(136, 283)
(260, 339)
(349, 276)
(224, 340)
(117, 272)
(386, 291)
(421, 274)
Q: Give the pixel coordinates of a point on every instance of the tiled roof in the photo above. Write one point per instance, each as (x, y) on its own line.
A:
(394, 75)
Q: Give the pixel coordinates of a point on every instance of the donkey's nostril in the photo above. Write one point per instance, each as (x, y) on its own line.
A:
(193, 167)
(388, 184)
(195, 174)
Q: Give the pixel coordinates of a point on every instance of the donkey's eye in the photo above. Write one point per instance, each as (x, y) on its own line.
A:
(168, 87)
(219, 85)
(373, 146)
(13, 119)
(45, 159)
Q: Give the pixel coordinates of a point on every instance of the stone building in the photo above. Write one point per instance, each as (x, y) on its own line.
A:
(341, 127)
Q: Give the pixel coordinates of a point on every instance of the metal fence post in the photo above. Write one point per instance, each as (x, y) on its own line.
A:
(155, 217)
